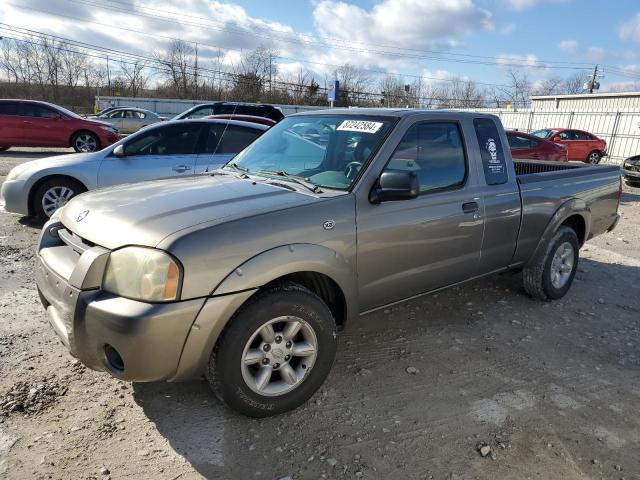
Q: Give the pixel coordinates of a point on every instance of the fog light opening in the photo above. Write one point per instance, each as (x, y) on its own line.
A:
(114, 360)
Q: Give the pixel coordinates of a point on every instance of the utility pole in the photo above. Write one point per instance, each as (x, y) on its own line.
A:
(593, 79)
(196, 70)
(109, 77)
(270, 84)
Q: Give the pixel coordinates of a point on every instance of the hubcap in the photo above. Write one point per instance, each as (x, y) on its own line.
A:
(279, 355)
(54, 198)
(562, 265)
(593, 158)
(86, 143)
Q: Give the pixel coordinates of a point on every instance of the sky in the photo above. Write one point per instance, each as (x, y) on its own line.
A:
(433, 39)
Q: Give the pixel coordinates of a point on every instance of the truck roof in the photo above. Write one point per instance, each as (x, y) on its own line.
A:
(391, 112)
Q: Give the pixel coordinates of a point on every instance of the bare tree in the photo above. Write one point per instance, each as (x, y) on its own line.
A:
(355, 84)
(178, 63)
(574, 83)
(549, 86)
(134, 76)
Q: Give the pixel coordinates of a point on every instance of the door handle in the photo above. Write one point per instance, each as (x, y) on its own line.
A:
(27, 121)
(470, 207)
(181, 168)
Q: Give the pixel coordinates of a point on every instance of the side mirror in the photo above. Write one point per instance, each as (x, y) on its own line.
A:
(395, 185)
(556, 138)
(119, 151)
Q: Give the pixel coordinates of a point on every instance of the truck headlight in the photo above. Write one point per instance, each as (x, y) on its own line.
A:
(140, 273)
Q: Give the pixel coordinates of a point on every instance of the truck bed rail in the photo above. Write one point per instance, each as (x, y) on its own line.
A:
(524, 167)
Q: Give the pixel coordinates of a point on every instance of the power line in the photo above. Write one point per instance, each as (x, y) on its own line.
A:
(503, 62)
(235, 78)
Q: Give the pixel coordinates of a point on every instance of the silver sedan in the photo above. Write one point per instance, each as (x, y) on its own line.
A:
(130, 120)
(169, 149)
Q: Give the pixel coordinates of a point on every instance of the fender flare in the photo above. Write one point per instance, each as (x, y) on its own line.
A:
(294, 258)
(568, 209)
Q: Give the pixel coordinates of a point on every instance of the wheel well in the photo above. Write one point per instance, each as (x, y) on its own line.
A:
(323, 286)
(80, 131)
(576, 222)
(36, 186)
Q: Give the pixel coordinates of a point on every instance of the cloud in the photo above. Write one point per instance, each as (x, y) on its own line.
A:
(403, 23)
(630, 30)
(528, 62)
(569, 46)
(525, 4)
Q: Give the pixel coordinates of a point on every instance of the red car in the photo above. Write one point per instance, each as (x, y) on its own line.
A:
(29, 123)
(581, 146)
(245, 118)
(528, 147)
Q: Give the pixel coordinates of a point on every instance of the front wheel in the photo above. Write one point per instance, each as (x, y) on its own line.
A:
(594, 157)
(550, 274)
(83, 142)
(275, 353)
(53, 194)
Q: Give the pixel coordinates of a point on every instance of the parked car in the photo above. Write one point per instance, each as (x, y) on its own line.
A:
(581, 146)
(245, 118)
(246, 275)
(171, 149)
(529, 147)
(130, 120)
(29, 123)
(231, 108)
(631, 170)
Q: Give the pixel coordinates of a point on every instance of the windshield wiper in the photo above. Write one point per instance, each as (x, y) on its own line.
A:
(295, 179)
(238, 168)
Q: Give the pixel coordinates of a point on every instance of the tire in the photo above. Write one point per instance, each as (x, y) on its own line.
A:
(85, 142)
(54, 193)
(231, 379)
(594, 157)
(537, 275)
(4, 149)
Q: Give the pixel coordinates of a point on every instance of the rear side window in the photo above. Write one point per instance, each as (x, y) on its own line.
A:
(491, 151)
(30, 110)
(435, 152)
(234, 139)
(8, 108)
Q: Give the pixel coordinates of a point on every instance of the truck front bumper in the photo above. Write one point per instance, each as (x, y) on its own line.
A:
(129, 339)
(633, 175)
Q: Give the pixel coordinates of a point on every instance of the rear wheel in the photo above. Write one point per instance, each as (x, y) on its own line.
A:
(275, 353)
(594, 157)
(550, 274)
(54, 193)
(85, 142)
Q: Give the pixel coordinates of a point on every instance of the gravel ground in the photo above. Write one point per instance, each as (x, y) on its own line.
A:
(475, 382)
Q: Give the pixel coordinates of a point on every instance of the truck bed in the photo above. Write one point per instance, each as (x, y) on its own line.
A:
(546, 186)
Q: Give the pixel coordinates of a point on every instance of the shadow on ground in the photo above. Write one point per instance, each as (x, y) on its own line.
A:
(482, 342)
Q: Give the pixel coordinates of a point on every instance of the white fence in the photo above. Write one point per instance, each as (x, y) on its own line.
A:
(621, 130)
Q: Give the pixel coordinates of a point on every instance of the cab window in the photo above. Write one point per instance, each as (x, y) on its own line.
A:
(435, 152)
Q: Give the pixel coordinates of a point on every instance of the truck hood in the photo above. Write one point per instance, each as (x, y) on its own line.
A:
(145, 213)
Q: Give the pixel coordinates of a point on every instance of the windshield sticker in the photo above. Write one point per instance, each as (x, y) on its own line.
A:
(359, 126)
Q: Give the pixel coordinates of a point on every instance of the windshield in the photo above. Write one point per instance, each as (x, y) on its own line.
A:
(324, 150)
(543, 133)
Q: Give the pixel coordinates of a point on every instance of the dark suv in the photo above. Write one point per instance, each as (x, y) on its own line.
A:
(231, 108)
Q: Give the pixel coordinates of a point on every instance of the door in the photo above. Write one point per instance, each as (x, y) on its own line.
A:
(10, 124)
(131, 121)
(408, 247)
(41, 126)
(222, 143)
(522, 148)
(115, 119)
(161, 152)
(575, 147)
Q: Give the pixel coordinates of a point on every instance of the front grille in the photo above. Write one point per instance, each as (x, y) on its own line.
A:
(77, 243)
